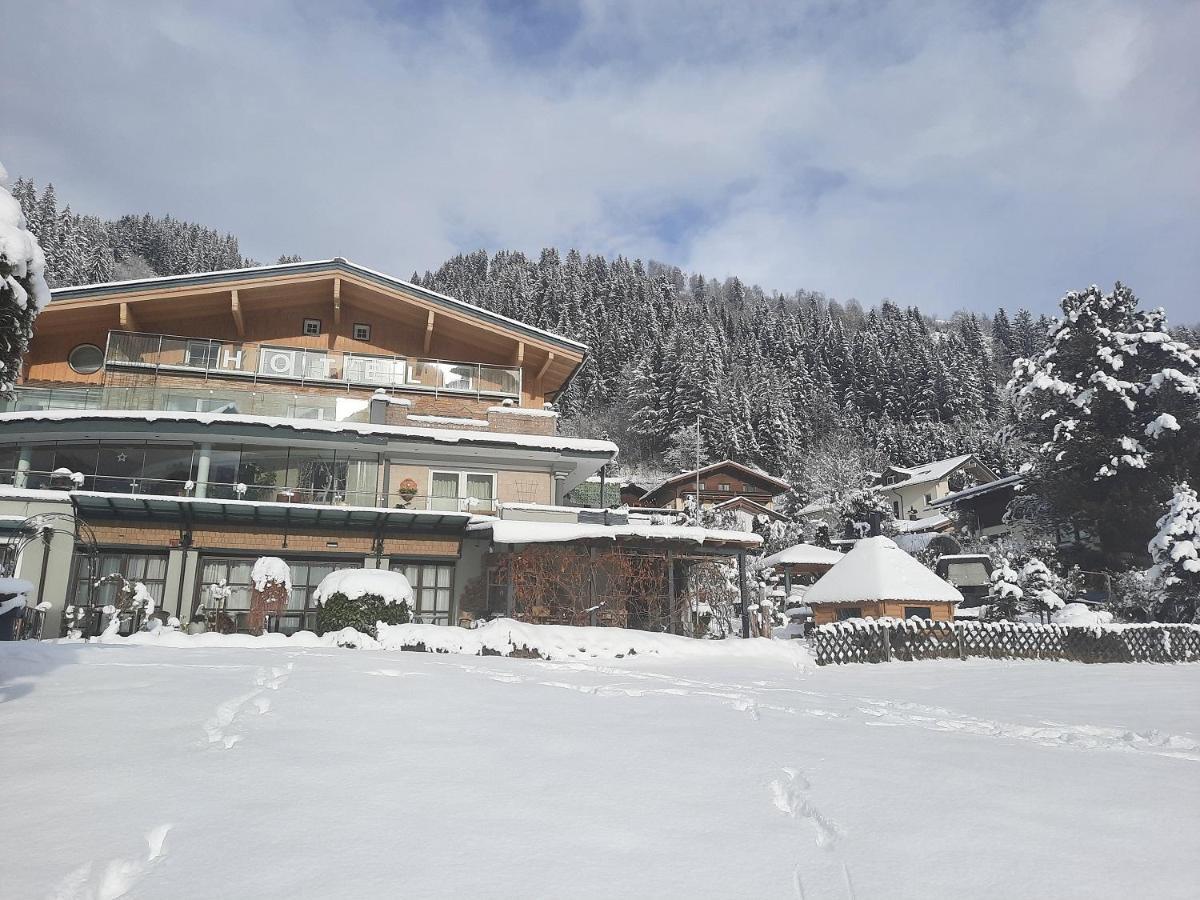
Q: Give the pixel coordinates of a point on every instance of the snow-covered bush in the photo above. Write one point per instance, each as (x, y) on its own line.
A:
(362, 599)
(1041, 588)
(858, 509)
(1176, 553)
(23, 288)
(132, 599)
(1004, 601)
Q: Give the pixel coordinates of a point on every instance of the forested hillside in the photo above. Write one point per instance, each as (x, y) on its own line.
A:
(798, 384)
(83, 249)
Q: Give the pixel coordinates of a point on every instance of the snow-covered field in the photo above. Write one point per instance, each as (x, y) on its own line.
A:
(153, 771)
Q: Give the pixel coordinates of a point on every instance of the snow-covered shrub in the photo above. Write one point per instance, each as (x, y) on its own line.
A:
(1004, 600)
(1041, 588)
(23, 288)
(362, 599)
(1176, 553)
(132, 599)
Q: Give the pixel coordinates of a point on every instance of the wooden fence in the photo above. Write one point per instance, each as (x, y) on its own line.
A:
(864, 640)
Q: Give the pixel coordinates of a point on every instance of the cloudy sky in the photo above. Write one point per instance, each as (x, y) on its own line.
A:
(947, 154)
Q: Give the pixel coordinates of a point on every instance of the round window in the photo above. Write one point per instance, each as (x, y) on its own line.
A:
(86, 359)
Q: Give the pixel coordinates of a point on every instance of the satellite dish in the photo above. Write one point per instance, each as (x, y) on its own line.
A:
(945, 545)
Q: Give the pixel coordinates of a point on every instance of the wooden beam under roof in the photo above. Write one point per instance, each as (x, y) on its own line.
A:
(128, 320)
(429, 331)
(545, 365)
(337, 301)
(236, 307)
(519, 354)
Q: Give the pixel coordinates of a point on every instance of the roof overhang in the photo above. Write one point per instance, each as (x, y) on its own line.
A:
(190, 511)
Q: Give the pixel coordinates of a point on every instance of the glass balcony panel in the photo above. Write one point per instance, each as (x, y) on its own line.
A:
(500, 380)
(174, 352)
(381, 371)
(462, 377)
(132, 349)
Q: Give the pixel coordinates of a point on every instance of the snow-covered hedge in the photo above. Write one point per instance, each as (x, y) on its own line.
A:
(885, 639)
(362, 599)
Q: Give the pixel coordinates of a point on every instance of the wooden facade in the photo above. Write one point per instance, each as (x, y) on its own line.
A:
(938, 611)
(719, 483)
(270, 306)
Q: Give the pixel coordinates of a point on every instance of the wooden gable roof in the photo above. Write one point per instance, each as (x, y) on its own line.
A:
(769, 483)
(236, 294)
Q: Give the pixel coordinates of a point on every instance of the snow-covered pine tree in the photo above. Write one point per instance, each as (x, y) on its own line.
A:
(1041, 588)
(1004, 600)
(1101, 405)
(23, 288)
(1175, 550)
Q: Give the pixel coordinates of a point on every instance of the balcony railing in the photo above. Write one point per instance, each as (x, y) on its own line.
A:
(230, 401)
(245, 359)
(221, 490)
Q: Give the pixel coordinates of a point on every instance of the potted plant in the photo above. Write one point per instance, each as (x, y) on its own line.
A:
(407, 491)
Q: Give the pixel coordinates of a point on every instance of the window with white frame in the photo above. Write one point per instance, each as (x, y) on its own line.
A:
(312, 327)
(362, 331)
(462, 491)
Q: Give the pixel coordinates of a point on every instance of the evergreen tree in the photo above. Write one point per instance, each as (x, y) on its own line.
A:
(1004, 600)
(1040, 588)
(1110, 408)
(1175, 549)
(23, 289)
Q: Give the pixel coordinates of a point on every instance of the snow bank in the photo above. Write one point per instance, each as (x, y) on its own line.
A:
(1081, 614)
(507, 636)
(502, 637)
(392, 587)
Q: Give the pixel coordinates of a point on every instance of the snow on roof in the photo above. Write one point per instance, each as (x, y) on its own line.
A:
(392, 587)
(220, 501)
(931, 471)
(929, 523)
(448, 420)
(509, 531)
(877, 569)
(317, 265)
(684, 476)
(803, 555)
(437, 435)
(15, 586)
(979, 489)
(524, 411)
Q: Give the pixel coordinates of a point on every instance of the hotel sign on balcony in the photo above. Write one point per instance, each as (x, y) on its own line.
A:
(286, 363)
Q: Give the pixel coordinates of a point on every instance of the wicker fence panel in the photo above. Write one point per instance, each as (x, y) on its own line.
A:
(884, 640)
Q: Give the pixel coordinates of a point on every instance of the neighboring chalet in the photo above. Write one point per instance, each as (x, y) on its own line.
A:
(984, 509)
(725, 486)
(914, 491)
(175, 429)
(918, 496)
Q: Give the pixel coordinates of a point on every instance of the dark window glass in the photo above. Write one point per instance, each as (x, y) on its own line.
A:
(849, 612)
(917, 612)
(166, 469)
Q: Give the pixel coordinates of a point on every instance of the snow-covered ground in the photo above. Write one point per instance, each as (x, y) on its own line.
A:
(293, 771)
